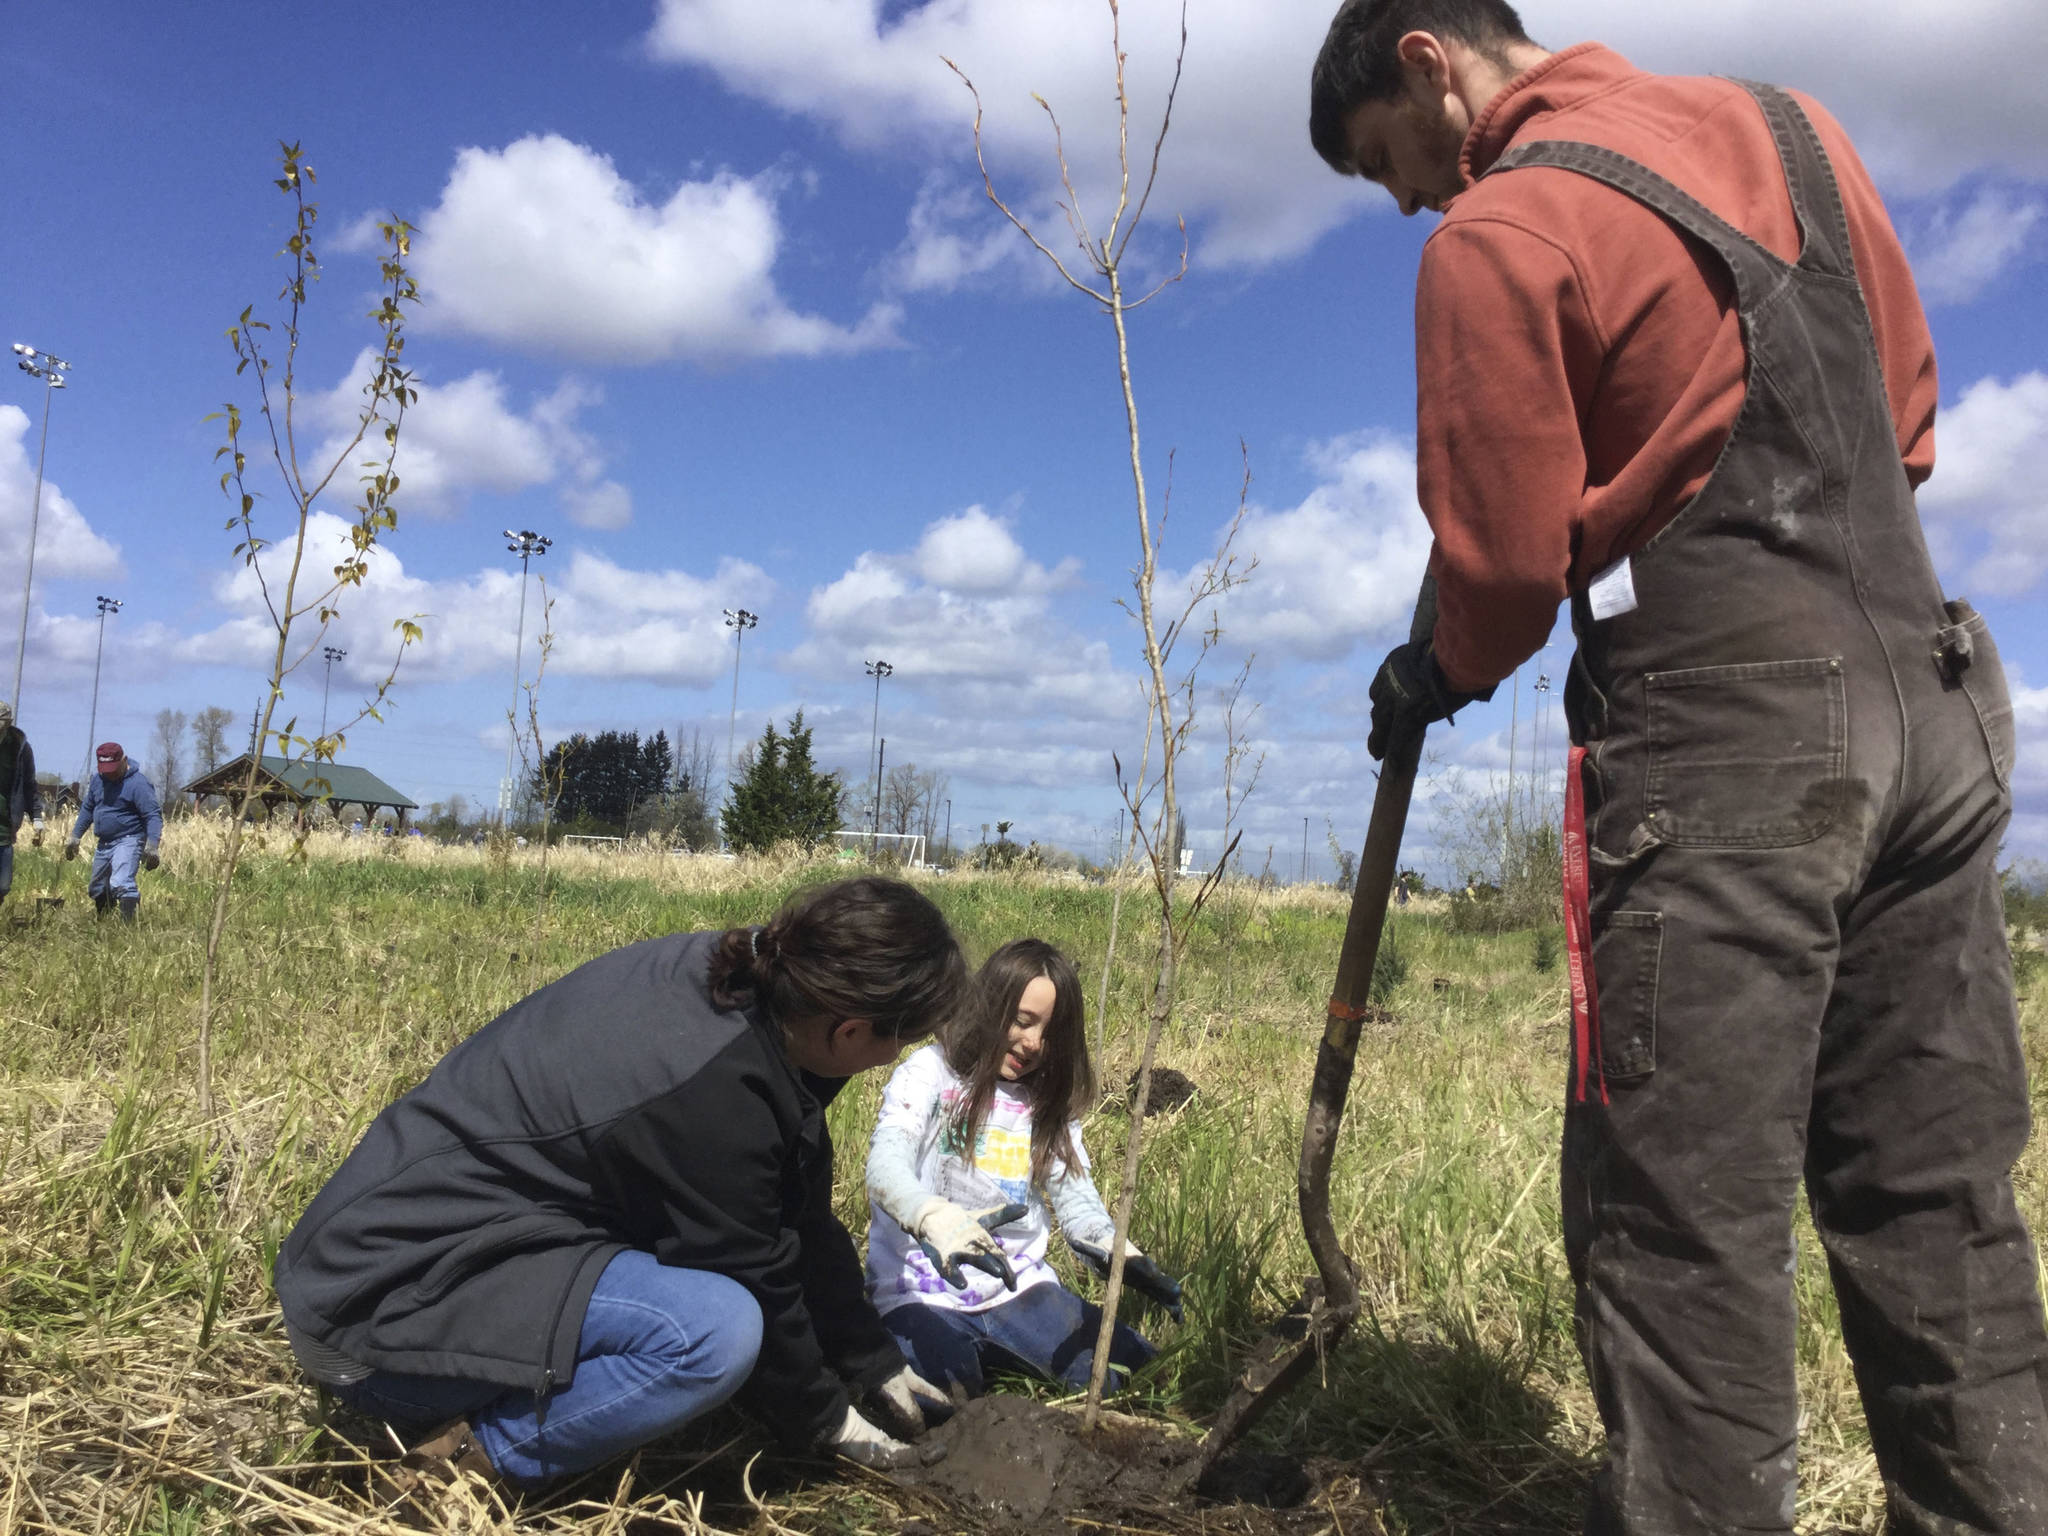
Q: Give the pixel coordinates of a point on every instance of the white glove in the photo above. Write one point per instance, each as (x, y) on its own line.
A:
(907, 1405)
(858, 1440)
(952, 1236)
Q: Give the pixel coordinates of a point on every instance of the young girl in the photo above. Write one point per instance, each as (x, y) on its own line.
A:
(978, 1144)
(610, 1209)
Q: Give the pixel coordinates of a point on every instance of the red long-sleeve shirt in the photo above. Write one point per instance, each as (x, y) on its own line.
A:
(1580, 363)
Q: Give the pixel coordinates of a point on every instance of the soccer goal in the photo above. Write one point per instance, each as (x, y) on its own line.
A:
(584, 838)
(907, 846)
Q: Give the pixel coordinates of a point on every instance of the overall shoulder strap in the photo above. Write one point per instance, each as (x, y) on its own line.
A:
(1810, 177)
(1755, 270)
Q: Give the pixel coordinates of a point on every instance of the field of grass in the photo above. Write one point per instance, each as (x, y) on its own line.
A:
(145, 1384)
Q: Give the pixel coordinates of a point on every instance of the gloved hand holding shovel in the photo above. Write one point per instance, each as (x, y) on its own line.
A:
(1140, 1274)
(952, 1236)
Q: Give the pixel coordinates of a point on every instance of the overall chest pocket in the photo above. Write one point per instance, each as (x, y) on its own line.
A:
(1745, 756)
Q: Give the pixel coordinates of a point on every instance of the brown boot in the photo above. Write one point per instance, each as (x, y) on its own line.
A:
(414, 1485)
(453, 1446)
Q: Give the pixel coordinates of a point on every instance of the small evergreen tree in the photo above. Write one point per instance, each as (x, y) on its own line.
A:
(780, 795)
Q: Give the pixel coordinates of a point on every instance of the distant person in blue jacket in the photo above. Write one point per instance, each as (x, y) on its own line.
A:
(127, 823)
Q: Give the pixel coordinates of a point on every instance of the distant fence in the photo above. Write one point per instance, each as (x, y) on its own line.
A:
(578, 837)
(908, 846)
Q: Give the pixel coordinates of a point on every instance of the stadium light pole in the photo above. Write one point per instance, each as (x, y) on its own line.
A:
(37, 364)
(739, 621)
(92, 722)
(949, 826)
(524, 543)
(333, 653)
(877, 670)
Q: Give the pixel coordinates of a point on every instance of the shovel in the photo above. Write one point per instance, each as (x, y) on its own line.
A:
(1313, 1325)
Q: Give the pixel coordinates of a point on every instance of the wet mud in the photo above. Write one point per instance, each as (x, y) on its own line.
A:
(1012, 1465)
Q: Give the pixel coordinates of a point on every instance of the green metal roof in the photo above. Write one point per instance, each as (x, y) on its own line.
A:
(306, 780)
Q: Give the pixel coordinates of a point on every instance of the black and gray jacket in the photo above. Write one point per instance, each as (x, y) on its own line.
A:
(616, 1108)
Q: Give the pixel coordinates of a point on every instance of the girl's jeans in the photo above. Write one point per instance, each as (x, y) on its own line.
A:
(1046, 1330)
(659, 1347)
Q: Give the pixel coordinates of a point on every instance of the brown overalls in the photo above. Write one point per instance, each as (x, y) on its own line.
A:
(1795, 776)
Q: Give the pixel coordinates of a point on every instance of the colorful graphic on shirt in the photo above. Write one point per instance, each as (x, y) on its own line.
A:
(1002, 1156)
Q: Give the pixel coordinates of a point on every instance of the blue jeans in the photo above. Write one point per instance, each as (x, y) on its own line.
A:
(113, 868)
(1044, 1329)
(6, 867)
(659, 1347)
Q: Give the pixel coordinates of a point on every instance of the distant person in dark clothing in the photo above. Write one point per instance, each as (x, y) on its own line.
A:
(23, 800)
(120, 804)
(610, 1209)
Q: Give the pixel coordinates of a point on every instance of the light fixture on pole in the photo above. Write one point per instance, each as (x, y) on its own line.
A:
(524, 543)
(333, 653)
(739, 621)
(107, 605)
(877, 670)
(37, 364)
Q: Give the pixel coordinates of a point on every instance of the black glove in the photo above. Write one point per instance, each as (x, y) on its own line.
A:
(1140, 1274)
(1409, 693)
(149, 856)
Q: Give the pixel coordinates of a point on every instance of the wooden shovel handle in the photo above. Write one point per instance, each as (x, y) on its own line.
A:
(1350, 997)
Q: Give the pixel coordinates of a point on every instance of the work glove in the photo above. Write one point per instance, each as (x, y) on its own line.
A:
(149, 856)
(858, 1440)
(951, 1237)
(1140, 1274)
(37, 840)
(71, 848)
(1410, 693)
(906, 1405)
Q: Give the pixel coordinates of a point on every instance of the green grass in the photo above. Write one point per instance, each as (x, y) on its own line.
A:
(144, 1384)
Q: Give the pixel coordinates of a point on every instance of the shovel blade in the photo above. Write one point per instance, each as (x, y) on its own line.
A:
(1302, 1336)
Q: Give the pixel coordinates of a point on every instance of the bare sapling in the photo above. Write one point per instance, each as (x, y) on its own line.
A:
(546, 777)
(1099, 277)
(1241, 770)
(293, 593)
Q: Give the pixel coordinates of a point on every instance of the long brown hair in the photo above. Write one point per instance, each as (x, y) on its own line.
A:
(867, 948)
(1059, 1088)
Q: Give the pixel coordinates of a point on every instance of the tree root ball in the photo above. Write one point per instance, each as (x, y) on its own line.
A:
(1012, 1465)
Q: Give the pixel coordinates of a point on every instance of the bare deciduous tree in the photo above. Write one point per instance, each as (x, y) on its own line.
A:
(166, 757)
(1152, 798)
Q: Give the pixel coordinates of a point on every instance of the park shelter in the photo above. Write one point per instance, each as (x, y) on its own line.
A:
(302, 782)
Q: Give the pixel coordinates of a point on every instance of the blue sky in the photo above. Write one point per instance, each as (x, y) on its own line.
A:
(713, 299)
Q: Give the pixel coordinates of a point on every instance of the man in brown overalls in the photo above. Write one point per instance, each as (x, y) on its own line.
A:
(1671, 367)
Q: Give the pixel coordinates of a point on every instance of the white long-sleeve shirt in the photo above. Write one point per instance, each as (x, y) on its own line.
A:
(913, 1157)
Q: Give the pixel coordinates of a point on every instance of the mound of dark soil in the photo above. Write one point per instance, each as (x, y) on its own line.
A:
(1169, 1090)
(1016, 1466)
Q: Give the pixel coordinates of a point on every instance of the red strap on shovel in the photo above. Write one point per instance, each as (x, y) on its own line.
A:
(1578, 932)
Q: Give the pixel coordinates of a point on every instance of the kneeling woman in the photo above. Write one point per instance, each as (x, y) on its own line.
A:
(977, 1149)
(611, 1208)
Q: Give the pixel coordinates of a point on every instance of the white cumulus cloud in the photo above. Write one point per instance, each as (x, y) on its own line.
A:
(66, 545)
(609, 620)
(1984, 503)
(966, 619)
(1929, 93)
(468, 435)
(1341, 566)
(544, 246)
(1958, 252)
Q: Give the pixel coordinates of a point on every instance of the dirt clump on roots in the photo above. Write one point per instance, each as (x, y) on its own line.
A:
(1022, 1468)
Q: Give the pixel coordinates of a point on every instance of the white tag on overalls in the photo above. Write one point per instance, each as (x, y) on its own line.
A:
(1613, 591)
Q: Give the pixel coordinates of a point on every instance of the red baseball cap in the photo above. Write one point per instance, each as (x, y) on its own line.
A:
(110, 755)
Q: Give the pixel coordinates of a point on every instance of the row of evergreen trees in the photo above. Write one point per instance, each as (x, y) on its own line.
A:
(616, 783)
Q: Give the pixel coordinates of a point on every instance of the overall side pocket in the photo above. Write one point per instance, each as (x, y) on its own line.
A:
(1628, 954)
